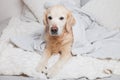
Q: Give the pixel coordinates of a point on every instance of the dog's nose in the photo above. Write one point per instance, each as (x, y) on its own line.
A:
(54, 30)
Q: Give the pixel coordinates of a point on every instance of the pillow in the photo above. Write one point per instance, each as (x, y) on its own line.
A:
(10, 8)
(106, 12)
(37, 6)
(27, 15)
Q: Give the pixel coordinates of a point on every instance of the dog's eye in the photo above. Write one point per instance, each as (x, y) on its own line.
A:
(50, 18)
(61, 18)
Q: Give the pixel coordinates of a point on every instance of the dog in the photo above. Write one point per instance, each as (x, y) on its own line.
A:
(58, 22)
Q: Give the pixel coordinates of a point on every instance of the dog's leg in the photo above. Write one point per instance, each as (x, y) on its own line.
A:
(45, 57)
(65, 56)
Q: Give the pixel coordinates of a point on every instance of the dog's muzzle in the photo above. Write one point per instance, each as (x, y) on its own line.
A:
(54, 30)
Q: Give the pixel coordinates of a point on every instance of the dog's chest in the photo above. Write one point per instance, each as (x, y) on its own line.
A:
(56, 45)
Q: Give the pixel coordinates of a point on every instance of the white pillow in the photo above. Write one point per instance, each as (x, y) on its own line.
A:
(106, 12)
(10, 8)
(37, 6)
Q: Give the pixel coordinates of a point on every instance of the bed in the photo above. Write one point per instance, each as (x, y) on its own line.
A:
(20, 52)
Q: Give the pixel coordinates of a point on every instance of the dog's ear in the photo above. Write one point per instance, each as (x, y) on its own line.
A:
(70, 22)
(45, 20)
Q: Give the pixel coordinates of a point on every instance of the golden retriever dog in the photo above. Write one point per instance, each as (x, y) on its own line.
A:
(58, 23)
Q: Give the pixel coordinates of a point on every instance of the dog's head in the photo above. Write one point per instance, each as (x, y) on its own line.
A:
(57, 19)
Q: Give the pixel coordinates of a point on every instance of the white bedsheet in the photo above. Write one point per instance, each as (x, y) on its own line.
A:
(20, 41)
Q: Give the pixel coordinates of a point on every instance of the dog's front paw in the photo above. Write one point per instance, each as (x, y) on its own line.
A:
(41, 69)
(51, 73)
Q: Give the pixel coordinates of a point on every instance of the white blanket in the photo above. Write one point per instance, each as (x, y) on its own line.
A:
(20, 41)
(89, 37)
(15, 61)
